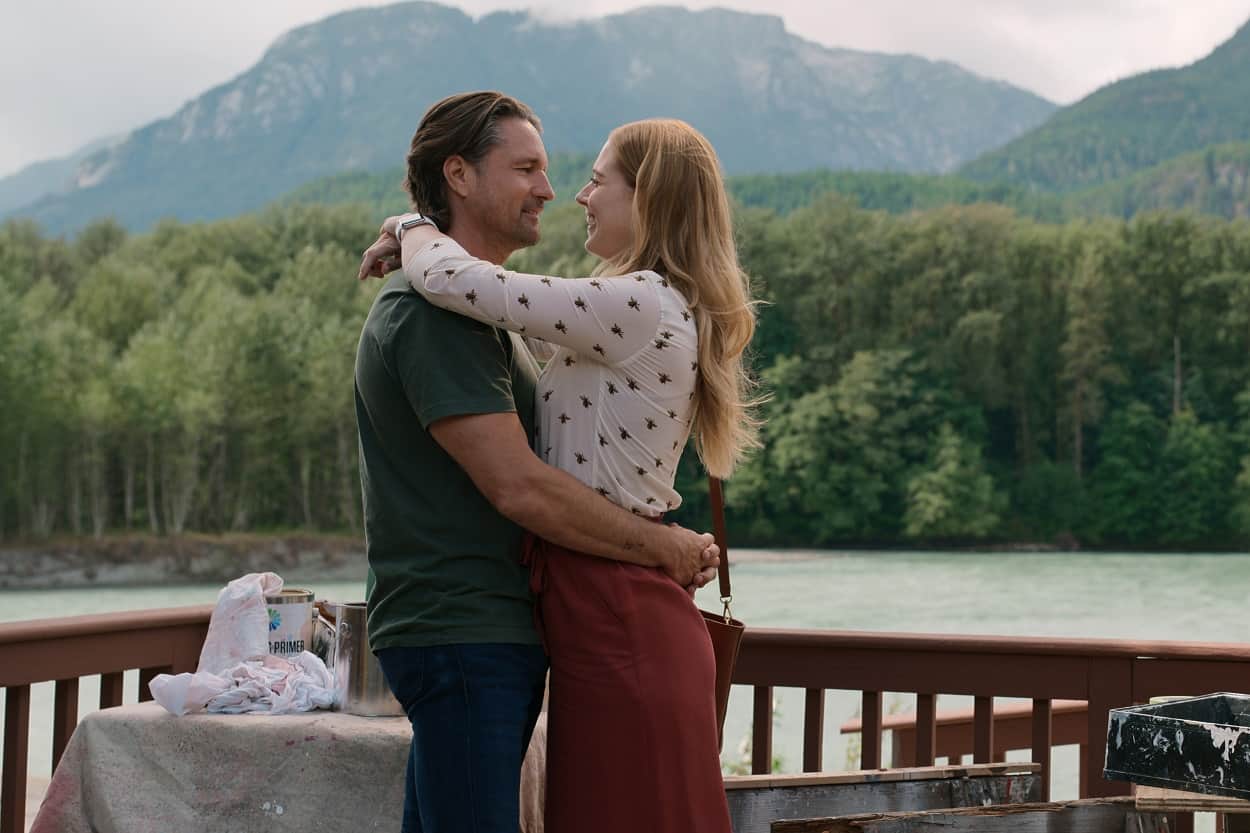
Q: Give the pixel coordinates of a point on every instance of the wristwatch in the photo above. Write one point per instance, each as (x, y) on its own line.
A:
(412, 221)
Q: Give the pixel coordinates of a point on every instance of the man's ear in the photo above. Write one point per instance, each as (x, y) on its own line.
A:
(459, 175)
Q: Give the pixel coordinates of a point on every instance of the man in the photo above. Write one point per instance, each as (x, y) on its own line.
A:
(444, 409)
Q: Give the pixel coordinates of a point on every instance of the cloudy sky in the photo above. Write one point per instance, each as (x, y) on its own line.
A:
(72, 71)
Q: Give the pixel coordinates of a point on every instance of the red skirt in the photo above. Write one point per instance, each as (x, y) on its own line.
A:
(631, 721)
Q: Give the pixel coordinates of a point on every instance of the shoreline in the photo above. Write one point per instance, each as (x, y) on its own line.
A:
(149, 560)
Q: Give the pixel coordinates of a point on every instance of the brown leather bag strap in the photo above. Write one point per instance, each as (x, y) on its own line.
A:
(718, 531)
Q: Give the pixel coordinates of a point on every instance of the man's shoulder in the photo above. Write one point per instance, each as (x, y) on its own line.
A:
(399, 310)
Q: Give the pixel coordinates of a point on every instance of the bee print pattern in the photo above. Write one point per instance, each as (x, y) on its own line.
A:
(665, 378)
(523, 300)
(666, 335)
(502, 277)
(624, 434)
(546, 281)
(580, 304)
(560, 325)
(602, 440)
(564, 418)
(641, 471)
(617, 331)
(631, 384)
(547, 396)
(569, 361)
(471, 296)
(672, 414)
(597, 285)
(603, 492)
(650, 424)
(639, 278)
(599, 349)
(611, 388)
(660, 344)
(586, 403)
(579, 457)
(685, 315)
(633, 304)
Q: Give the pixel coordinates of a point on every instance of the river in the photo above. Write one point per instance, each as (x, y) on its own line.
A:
(1197, 597)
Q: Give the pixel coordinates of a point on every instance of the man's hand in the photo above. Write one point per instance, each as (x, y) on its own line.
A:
(381, 258)
(689, 555)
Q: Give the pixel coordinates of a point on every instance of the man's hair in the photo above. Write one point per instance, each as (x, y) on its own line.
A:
(464, 125)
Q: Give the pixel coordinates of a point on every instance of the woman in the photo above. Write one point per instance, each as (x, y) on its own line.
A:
(638, 357)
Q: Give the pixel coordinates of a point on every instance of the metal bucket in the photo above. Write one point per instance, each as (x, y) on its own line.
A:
(358, 679)
(292, 619)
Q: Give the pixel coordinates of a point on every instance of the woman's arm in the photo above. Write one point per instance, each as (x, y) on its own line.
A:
(607, 318)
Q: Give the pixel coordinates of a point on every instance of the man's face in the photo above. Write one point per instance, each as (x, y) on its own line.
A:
(509, 187)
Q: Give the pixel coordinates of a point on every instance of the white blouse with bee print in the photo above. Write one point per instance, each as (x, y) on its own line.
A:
(616, 396)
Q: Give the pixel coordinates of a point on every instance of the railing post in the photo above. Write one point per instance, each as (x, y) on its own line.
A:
(1041, 742)
(146, 675)
(16, 747)
(983, 730)
(813, 729)
(64, 717)
(111, 689)
(926, 729)
(762, 731)
(870, 731)
(1110, 686)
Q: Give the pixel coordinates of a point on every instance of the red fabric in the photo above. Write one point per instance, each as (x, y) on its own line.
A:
(631, 731)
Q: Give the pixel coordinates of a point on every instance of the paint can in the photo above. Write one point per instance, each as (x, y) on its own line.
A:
(292, 618)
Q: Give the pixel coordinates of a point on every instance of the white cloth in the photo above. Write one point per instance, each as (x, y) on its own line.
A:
(616, 399)
(236, 673)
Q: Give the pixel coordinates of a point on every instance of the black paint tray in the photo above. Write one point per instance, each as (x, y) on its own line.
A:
(1201, 744)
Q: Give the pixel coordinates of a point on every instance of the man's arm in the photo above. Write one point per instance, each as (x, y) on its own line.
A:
(493, 450)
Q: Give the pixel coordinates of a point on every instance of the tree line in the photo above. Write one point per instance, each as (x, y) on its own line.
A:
(953, 375)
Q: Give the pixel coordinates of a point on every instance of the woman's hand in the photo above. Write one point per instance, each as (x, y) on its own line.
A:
(382, 257)
(690, 556)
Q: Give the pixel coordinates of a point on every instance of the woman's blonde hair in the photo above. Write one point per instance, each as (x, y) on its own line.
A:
(683, 230)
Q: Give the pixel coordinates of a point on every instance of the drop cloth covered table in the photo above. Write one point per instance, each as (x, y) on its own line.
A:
(139, 769)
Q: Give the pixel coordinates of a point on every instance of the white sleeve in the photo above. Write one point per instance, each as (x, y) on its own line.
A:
(608, 318)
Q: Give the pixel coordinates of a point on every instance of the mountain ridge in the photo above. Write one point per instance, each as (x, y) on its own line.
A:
(321, 100)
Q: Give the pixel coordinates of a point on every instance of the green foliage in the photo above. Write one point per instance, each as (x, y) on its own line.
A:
(1130, 126)
(955, 374)
(952, 496)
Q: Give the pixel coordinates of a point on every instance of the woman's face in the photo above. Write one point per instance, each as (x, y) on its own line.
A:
(609, 201)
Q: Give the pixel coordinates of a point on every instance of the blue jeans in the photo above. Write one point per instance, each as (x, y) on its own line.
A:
(472, 709)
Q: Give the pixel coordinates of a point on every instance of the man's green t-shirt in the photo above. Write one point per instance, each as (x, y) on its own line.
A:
(444, 565)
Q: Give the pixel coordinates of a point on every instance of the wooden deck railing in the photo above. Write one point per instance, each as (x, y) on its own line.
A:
(64, 650)
(1104, 673)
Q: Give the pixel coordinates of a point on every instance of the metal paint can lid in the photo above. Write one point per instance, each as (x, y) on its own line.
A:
(295, 595)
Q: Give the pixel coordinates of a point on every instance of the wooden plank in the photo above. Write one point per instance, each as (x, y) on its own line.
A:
(813, 729)
(982, 730)
(870, 737)
(1100, 815)
(16, 747)
(146, 675)
(754, 810)
(111, 689)
(926, 729)
(920, 773)
(1163, 800)
(1042, 742)
(64, 717)
(762, 731)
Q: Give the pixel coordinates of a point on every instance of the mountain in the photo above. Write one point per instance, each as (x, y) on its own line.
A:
(1131, 125)
(46, 177)
(1215, 180)
(346, 93)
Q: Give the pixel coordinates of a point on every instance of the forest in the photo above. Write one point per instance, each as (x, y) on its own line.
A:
(961, 375)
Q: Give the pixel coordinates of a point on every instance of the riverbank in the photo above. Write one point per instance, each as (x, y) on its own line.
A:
(144, 560)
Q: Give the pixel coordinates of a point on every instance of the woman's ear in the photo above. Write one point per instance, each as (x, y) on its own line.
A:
(458, 175)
